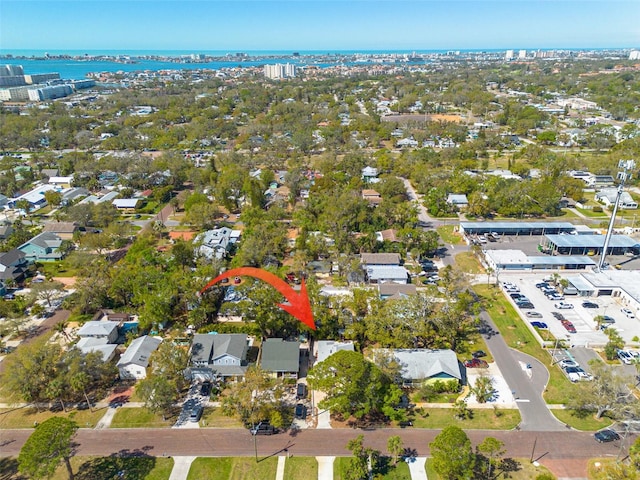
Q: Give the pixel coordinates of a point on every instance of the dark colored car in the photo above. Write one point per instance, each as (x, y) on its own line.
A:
(205, 389)
(301, 411)
(590, 305)
(606, 435)
(196, 414)
(541, 325)
(301, 391)
(263, 428)
(543, 285)
(476, 363)
(479, 354)
(516, 296)
(526, 305)
(558, 315)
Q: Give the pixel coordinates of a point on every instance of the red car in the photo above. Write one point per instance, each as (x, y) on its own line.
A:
(476, 363)
(568, 326)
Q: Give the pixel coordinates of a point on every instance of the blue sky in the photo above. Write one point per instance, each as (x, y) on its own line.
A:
(317, 25)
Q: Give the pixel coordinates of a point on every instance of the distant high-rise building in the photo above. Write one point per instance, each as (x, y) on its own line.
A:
(508, 55)
(11, 70)
(522, 54)
(279, 70)
(634, 55)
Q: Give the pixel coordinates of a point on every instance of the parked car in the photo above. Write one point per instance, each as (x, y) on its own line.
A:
(588, 304)
(534, 315)
(568, 363)
(569, 327)
(628, 313)
(301, 411)
(301, 391)
(516, 296)
(526, 305)
(606, 319)
(196, 413)
(563, 305)
(479, 354)
(263, 428)
(557, 315)
(625, 357)
(476, 363)
(205, 388)
(606, 435)
(542, 285)
(540, 325)
(555, 297)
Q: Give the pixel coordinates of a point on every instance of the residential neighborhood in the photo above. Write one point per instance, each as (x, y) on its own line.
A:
(367, 257)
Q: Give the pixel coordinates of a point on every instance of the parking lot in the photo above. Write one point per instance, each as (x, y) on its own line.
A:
(587, 333)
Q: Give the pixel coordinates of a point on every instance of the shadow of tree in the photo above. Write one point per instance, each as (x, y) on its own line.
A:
(9, 469)
(129, 464)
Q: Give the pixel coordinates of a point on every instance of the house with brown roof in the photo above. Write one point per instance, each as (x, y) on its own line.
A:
(371, 196)
(64, 230)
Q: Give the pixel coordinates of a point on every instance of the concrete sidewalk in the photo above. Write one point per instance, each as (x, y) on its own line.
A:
(416, 468)
(325, 468)
(181, 466)
(280, 469)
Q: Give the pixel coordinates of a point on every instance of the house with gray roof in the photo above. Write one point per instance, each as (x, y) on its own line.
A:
(326, 348)
(13, 265)
(224, 354)
(607, 196)
(101, 345)
(420, 365)
(100, 329)
(216, 243)
(395, 291)
(134, 361)
(44, 247)
(280, 358)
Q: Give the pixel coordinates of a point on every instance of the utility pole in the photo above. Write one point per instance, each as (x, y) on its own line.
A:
(627, 166)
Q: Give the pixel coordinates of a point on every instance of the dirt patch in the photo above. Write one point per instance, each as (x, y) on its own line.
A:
(66, 281)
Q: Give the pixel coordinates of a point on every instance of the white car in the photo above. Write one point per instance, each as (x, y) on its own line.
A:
(625, 357)
(563, 305)
(628, 313)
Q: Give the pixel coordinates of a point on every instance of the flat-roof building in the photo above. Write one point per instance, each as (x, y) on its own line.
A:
(516, 228)
(589, 245)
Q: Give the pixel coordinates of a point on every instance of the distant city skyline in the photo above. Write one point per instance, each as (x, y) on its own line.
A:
(317, 24)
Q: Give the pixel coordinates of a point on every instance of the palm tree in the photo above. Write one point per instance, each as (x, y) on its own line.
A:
(61, 328)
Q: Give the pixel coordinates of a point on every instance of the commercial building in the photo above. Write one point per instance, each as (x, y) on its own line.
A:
(516, 228)
(278, 71)
(589, 245)
(500, 260)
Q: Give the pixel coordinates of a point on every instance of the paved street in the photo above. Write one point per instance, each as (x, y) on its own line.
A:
(559, 448)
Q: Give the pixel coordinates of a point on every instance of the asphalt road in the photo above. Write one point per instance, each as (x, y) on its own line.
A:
(526, 389)
(568, 448)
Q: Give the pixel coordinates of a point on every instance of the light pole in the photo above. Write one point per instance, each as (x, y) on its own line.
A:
(627, 166)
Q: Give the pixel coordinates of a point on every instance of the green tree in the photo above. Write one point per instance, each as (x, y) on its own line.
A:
(493, 449)
(395, 447)
(483, 389)
(354, 386)
(48, 445)
(258, 398)
(159, 394)
(615, 343)
(453, 457)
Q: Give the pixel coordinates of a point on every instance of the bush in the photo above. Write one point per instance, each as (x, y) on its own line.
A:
(597, 209)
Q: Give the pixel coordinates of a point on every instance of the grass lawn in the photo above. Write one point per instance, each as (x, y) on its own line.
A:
(213, 417)
(135, 468)
(591, 214)
(448, 236)
(588, 423)
(468, 263)
(70, 266)
(472, 345)
(388, 471)
(527, 471)
(233, 468)
(301, 468)
(483, 418)
(27, 416)
(140, 418)
(517, 335)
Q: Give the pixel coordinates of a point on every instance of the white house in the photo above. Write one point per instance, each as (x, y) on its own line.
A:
(216, 243)
(458, 200)
(135, 360)
(607, 196)
(107, 330)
